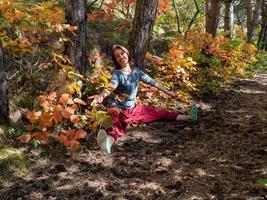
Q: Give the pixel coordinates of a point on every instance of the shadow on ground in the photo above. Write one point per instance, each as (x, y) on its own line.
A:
(223, 156)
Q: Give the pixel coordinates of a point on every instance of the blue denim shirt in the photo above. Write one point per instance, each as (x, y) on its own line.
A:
(127, 85)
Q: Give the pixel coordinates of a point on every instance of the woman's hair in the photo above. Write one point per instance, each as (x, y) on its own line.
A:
(114, 58)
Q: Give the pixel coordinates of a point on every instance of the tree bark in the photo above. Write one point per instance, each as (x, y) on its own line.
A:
(213, 8)
(252, 19)
(229, 18)
(262, 41)
(145, 14)
(76, 49)
(4, 109)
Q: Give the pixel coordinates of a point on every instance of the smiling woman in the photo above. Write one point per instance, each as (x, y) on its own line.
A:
(124, 82)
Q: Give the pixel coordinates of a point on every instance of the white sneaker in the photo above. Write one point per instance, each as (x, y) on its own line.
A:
(104, 141)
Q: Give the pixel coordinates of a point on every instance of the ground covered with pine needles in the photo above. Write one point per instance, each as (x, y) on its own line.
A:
(223, 156)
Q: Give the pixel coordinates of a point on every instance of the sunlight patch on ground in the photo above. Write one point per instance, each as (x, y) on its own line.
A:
(249, 91)
(148, 136)
(150, 186)
(164, 162)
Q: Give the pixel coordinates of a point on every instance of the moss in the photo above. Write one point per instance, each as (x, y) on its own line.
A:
(11, 160)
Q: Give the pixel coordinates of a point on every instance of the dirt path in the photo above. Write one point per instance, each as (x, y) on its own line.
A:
(222, 157)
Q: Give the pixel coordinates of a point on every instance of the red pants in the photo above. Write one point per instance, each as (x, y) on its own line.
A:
(140, 113)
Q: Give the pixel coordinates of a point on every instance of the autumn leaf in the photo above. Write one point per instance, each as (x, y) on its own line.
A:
(67, 112)
(64, 98)
(79, 101)
(74, 145)
(41, 136)
(46, 119)
(24, 138)
(33, 116)
(64, 140)
(81, 134)
(70, 134)
(74, 119)
(57, 116)
(52, 96)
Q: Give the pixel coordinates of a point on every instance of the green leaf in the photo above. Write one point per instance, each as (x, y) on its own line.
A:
(36, 143)
(263, 182)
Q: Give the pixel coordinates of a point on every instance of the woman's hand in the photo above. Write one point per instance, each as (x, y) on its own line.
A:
(97, 99)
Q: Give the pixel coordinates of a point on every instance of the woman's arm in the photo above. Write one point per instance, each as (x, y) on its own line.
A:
(163, 89)
(100, 97)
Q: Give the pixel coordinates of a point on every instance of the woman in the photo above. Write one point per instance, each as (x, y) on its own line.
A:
(124, 82)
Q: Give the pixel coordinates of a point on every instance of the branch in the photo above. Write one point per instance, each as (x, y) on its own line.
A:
(177, 17)
(193, 18)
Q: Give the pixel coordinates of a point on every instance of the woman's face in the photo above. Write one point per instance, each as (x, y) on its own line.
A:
(121, 57)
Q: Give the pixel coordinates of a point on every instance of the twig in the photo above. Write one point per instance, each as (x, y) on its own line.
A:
(200, 182)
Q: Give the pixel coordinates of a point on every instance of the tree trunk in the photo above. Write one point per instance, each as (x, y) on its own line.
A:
(145, 14)
(193, 19)
(213, 8)
(252, 19)
(76, 49)
(229, 18)
(177, 16)
(4, 110)
(262, 41)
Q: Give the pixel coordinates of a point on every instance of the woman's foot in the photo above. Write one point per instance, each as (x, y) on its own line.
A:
(104, 141)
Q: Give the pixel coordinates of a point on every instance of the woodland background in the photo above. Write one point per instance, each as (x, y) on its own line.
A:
(54, 54)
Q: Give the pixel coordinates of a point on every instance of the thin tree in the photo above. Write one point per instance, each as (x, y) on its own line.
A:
(212, 16)
(193, 19)
(229, 17)
(145, 14)
(262, 40)
(252, 18)
(76, 48)
(177, 16)
(4, 110)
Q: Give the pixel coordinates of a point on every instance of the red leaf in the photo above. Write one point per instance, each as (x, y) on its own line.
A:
(64, 98)
(64, 140)
(41, 136)
(66, 113)
(74, 119)
(25, 138)
(74, 145)
(81, 134)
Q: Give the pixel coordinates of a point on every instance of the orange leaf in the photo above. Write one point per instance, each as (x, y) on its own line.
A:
(41, 136)
(46, 119)
(41, 99)
(74, 119)
(66, 113)
(24, 138)
(70, 134)
(57, 116)
(74, 106)
(64, 98)
(58, 108)
(81, 134)
(52, 96)
(64, 139)
(74, 145)
(33, 116)
(70, 102)
(79, 101)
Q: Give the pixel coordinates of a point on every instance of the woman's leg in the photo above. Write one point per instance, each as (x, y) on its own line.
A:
(119, 123)
(143, 113)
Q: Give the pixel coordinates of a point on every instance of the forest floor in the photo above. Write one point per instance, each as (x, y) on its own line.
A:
(223, 156)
